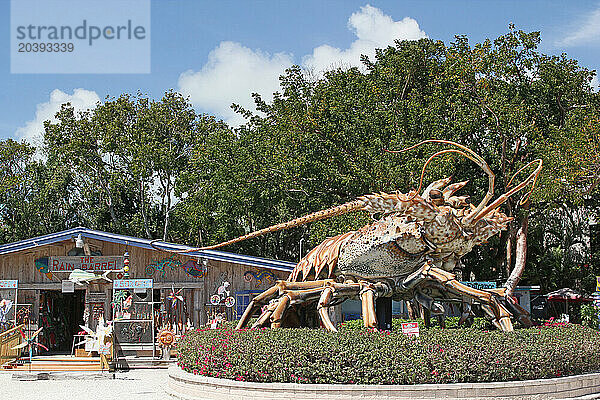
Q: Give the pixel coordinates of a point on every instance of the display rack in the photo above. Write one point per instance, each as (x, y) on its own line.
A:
(133, 316)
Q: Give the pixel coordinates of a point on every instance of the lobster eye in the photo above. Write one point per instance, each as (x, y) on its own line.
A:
(435, 194)
(436, 197)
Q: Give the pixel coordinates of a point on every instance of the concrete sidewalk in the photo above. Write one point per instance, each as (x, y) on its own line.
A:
(139, 384)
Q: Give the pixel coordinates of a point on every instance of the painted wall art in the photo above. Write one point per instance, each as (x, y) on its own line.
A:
(191, 267)
(259, 277)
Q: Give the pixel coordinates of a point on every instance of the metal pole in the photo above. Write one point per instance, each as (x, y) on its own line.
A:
(152, 311)
(16, 303)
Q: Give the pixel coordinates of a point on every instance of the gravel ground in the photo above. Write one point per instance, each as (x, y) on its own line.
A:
(137, 384)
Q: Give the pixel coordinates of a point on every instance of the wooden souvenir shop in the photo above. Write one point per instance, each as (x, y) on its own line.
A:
(77, 277)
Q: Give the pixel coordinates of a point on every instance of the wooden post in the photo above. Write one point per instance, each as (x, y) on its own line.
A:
(383, 310)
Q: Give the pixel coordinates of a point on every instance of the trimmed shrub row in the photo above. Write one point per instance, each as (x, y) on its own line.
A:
(451, 322)
(370, 357)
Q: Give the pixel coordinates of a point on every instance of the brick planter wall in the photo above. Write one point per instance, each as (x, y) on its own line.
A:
(185, 386)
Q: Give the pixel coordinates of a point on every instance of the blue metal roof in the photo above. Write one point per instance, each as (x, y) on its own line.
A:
(144, 243)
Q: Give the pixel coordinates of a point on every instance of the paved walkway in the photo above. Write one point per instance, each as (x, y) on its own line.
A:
(133, 385)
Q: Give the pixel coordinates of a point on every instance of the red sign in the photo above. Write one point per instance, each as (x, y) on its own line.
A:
(410, 328)
(86, 263)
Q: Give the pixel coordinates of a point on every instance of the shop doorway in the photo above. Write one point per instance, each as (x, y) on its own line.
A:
(60, 316)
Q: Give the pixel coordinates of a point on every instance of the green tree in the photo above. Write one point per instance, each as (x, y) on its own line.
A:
(31, 202)
(125, 157)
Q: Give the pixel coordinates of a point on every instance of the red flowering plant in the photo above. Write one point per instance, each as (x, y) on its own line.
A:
(359, 356)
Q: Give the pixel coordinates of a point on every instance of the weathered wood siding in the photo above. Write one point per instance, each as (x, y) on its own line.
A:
(21, 266)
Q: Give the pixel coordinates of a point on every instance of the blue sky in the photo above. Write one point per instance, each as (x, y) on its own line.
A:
(218, 52)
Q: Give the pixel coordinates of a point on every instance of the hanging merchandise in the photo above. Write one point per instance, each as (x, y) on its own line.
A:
(97, 311)
(24, 315)
(175, 310)
(117, 303)
(8, 300)
(175, 296)
(5, 307)
(86, 316)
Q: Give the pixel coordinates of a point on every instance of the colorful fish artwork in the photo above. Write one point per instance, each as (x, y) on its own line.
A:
(42, 266)
(80, 277)
(259, 276)
(191, 267)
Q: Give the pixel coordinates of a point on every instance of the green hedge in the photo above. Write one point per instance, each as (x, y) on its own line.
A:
(451, 322)
(371, 357)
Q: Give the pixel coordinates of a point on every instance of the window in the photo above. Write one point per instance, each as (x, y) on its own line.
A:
(242, 299)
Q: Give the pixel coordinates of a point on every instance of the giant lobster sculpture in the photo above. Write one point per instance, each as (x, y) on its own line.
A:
(408, 253)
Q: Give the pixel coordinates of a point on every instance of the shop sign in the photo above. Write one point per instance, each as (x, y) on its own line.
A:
(95, 297)
(132, 284)
(68, 286)
(85, 263)
(9, 284)
(410, 328)
(480, 285)
(598, 284)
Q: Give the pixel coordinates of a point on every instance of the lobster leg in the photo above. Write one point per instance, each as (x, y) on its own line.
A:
(278, 308)
(262, 298)
(367, 291)
(466, 312)
(284, 294)
(367, 296)
(275, 312)
(500, 314)
(429, 303)
(515, 309)
(277, 316)
(264, 317)
(325, 294)
(324, 301)
(270, 294)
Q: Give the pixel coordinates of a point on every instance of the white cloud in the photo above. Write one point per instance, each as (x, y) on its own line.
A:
(231, 74)
(33, 130)
(373, 29)
(233, 71)
(595, 83)
(587, 30)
